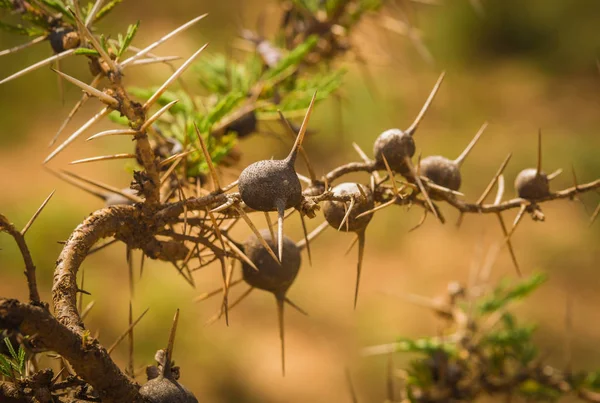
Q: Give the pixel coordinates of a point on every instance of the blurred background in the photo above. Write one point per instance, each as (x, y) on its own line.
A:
(521, 66)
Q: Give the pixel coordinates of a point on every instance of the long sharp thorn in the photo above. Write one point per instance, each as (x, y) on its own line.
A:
(240, 253)
(115, 132)
(23, 46)
(360, 152)
(142, 261)
(291, 158)
(280, 216)
(242, 297)
(207, 295)
(157, 115)
(538, 168)
(413, 127)
(311, 171)
(73, 111)
(489, 187)
(306, 240)
(100, 247)
(257, 233)
(91, 16)
(568, 334)
(172, 158)
(347, 215)
(223, 265)
(73, 136)
(391, 395)
(422, 188)
(124, 334)
(516, 221)
(594, 215)
(554, 174)
(130, 365)
(103, 186)
(61, 84)
(361, 252)
(37, 65)
(96, 45)
(269, 224)
(87, 309)
(380, 207)
(171, 343)
(296, 307)
(173, 77)
(37, 213)
(500, 191)
(351, 245)
(351, 387)
(391, 174)
(465, 153)
(280, 309)
(103, 158)
(509, 244)
(311, 237)
(165, 38)
(107, 99)
(80, 301)
(153, 60)
(129, 258)
(209, 162)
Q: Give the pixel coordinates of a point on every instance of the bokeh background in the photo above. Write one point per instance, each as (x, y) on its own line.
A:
(521, 66)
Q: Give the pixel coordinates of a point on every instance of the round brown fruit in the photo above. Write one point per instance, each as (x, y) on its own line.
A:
(164, 390)
(396, 145)
(271, 275)
(335, 211)
(531, 184)
(441, 171)
(265, 184)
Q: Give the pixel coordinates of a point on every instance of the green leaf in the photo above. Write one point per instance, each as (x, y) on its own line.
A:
(425, 345)
(293, 58)
(5, 367)
(58, 5)
(116, 117)
(86, 52)
(501, 296)
(106, 9)
(22, 354)
(124, 43)
(220, 110)
(6, 4)
(11, 349)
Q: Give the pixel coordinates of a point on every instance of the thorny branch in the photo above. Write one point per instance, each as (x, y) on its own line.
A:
(89, 359)
(19, 238)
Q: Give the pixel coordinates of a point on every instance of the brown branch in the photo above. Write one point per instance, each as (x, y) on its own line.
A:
(568, 193)
(9, 228)
(100, 224)
(460, 205)
(87, 357)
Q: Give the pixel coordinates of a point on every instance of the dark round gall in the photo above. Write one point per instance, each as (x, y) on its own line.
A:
(396, 145)
(164, 390)
(271, 275)
(441, 171)
(244, 126)
(334, 211)
(531, 185)
(63, 38)
(266, 184)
